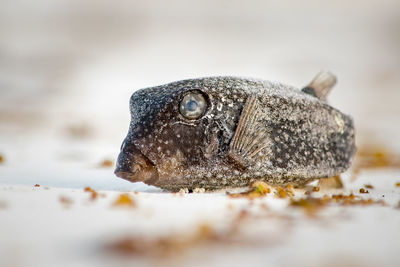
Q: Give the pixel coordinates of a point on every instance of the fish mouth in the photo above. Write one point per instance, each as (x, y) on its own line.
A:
(134, 166)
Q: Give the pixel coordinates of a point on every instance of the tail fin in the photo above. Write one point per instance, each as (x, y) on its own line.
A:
(321, 85)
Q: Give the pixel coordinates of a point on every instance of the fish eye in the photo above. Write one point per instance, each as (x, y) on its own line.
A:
(193, 105)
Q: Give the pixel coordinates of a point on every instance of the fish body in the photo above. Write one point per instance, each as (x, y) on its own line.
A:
(221, 132)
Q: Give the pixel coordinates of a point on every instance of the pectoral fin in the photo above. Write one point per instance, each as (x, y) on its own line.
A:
(250, 140)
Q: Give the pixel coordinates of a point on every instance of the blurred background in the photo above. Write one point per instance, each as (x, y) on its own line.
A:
(68, 68)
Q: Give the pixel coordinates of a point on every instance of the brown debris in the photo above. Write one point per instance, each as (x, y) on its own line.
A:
(261, 188)
(376, 156)
(341, 197)
(163, 246)
(124, 200)
(88, 189)
(369, 186)
(397, 184)
(315, 189)
(177, 243)
(372, 157)
(257, 189)
(93, 193)
(363, 191)
(65, 201)
(310, 204)
(354, 200)
(79, 131)
(205, 231)
(289, 189)
(2, 159)
(107, 163)
(281, 192)
(36, 185)
(285, 192)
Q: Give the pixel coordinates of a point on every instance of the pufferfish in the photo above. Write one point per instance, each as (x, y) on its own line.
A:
(219, 132)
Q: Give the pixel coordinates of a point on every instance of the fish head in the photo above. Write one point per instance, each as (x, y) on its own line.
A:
(175, 134)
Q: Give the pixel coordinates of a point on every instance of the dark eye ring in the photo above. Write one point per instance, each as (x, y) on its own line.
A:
(193, 105)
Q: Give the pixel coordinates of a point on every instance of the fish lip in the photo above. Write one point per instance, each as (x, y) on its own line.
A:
(133, 177)
(130, 158)
(123, 174)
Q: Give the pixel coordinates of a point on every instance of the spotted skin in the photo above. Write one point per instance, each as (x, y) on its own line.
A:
(307, 138)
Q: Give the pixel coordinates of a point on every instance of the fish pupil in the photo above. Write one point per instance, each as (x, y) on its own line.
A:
(192, 105)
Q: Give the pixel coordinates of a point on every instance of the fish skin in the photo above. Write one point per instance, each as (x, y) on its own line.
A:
(306, 138)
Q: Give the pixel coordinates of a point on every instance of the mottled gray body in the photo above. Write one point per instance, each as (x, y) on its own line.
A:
(251, 130)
